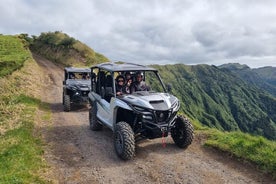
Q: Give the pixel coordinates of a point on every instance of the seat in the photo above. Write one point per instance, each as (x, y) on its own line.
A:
(101, 83)
(108, 81)
(108, 88)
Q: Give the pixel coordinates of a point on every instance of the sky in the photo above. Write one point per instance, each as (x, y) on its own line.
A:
(190, 32)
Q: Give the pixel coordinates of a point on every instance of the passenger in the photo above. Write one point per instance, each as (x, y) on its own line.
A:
(120, 81)
(85, 76)
(72, 76)
(127, 87)
(139, 84)
(127, 76)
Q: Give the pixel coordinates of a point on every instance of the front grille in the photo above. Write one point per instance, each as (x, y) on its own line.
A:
(162, 116)
(84, 93)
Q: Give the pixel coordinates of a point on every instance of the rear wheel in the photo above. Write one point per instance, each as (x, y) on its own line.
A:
(183, 132)
(66, 103)
(93, 121)
(124, 141)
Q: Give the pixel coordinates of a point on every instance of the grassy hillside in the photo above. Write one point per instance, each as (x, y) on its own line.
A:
(61, 48)
(255, 149)
(21, 150)
(268, 74)
(218, 99)
(263, 78)
(13, 53)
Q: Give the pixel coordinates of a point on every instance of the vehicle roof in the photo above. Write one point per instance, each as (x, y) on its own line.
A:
(74, 69)
(119, 66)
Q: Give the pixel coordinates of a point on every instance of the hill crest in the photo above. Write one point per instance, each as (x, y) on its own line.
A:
(63, 49)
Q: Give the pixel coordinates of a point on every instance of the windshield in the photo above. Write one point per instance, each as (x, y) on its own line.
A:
(79, 75)
(153, 81)
(149, 80)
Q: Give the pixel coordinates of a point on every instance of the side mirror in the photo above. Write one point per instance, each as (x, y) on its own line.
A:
(169, 88)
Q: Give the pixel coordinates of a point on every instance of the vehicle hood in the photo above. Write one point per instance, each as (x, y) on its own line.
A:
(152, 100)
(83, 85)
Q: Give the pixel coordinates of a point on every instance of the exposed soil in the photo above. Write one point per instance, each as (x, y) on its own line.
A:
(78, 155)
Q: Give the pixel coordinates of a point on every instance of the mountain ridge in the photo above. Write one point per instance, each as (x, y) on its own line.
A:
(217, 98)
(263, 77)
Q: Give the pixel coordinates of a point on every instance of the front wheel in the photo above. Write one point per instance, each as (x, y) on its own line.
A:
(66, 103)
(183, 132)
(124, 141)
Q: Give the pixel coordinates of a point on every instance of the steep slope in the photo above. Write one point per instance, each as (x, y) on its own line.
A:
(263, 78)
(217, 98)
(13, 53)
(20, 81)
(268, 74)
(61, 48)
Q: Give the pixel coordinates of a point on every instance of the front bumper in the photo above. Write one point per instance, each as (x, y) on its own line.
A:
(157, 129)
(155, 123)
(80, 97)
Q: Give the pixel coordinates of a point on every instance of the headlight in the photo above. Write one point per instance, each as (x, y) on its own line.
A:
(175, 106)
(140, 109)
(145, 113)
(162, 116)
(147, 117)
(85, 89)
(74, 88)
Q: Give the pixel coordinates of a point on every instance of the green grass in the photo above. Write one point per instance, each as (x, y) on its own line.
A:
(12, 54)
(219, 99)
(21, 157)
(20, 151)
(256, 149)
(63, 49)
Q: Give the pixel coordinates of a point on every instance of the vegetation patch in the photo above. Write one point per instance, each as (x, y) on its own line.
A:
(252, 148)
(65, 50)
(218, 99)
(20, 150)
(20, 155)
(13, 53)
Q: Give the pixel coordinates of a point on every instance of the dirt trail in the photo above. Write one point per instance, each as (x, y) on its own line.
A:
(78, 155)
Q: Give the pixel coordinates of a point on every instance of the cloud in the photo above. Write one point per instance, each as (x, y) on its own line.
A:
(177, 31)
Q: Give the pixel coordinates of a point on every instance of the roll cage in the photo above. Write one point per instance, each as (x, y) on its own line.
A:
(103, 77)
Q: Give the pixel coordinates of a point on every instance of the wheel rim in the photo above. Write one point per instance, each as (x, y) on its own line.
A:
(179, 133)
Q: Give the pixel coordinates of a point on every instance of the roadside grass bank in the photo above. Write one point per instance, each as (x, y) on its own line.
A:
(21, 148)
(13, 53)
(255, 149)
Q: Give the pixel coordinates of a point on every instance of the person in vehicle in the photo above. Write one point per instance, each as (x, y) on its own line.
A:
(120, 82)
(72, 76)
(127, 87)
(128, 76)
(85, 76)
(139, 84)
